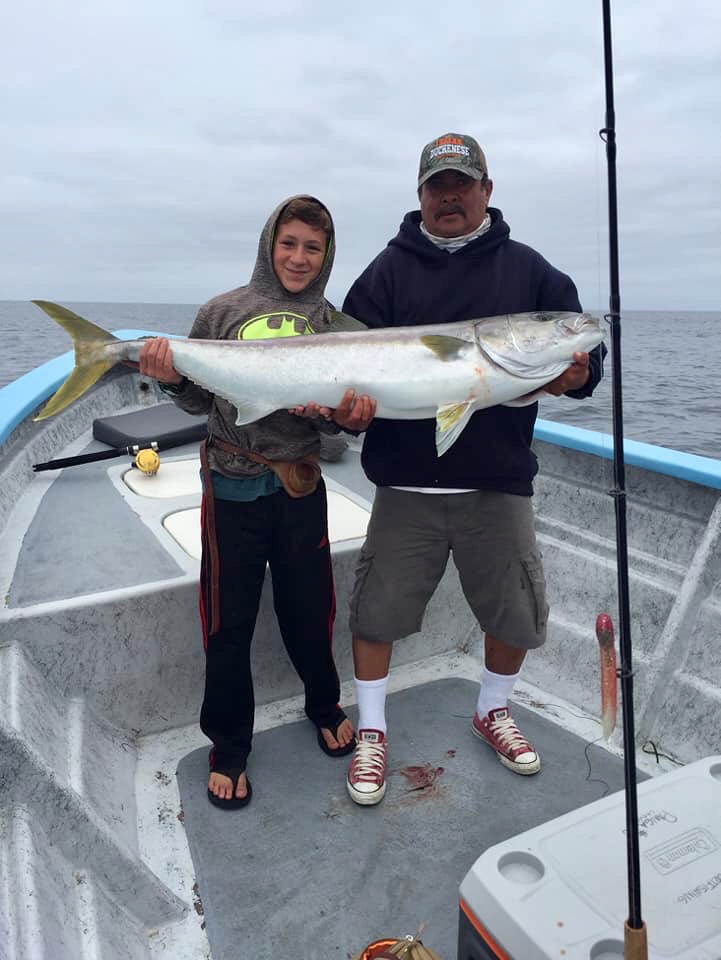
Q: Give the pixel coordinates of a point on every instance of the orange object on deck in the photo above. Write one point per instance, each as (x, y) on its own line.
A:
(609, 687)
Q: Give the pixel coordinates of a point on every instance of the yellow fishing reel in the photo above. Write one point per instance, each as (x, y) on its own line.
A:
(147, 460)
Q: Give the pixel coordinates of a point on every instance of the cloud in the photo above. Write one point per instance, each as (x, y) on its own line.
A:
(145, 145)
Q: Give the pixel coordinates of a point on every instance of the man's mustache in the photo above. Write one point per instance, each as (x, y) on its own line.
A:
(448, 209)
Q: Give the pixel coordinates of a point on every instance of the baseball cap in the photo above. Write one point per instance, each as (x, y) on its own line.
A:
(452, 151)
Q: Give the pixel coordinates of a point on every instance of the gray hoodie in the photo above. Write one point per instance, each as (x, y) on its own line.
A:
(263, 308)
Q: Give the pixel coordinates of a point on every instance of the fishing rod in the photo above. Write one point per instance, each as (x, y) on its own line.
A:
(635, 944)
(142, 452)
(145, 454)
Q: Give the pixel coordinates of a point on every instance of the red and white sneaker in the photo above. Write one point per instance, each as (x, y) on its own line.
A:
(367, 773)
(499, 731)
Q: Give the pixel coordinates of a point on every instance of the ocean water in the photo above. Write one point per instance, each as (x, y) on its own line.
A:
(671, 366)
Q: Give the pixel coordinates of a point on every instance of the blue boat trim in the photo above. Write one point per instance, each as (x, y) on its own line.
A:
(19, 398)
(673, 463)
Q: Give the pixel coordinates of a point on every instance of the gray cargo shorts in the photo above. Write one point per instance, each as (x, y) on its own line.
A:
(493, 542)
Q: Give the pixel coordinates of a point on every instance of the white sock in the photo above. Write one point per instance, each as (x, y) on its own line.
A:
(495, 690)
(371, 697)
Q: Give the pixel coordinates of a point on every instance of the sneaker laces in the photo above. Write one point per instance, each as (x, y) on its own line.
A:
(508, 733)
(368, 760)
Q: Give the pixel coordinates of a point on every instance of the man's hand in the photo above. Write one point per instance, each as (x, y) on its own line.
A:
(575, 377)
(156, 361)
(352, 413)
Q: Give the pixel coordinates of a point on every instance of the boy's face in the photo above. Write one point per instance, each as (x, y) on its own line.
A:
(298, 254)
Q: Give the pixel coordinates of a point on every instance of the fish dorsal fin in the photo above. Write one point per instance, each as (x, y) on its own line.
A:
(342, 321)
(445, 348)
(451, 420)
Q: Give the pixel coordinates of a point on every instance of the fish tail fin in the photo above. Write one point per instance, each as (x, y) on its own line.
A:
(91, 360)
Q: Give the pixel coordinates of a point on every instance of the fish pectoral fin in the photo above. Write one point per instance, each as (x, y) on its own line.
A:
(451, 420)
(445, 348)
(526, 400)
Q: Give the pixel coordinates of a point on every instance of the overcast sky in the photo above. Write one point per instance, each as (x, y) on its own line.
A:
(145, 143)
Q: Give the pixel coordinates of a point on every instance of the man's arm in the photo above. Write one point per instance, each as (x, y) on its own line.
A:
(595, 373)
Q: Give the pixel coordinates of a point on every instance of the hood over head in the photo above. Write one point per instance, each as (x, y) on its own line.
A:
(264, 279)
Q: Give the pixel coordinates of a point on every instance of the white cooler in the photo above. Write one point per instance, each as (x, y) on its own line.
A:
(559, 891)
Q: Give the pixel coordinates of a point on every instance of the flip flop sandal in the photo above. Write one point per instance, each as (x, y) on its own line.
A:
(332, 725)
(234, 774)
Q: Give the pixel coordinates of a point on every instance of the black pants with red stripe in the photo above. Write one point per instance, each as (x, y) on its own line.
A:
(291, 535)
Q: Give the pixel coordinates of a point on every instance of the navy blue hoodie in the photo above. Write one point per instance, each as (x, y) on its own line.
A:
(412, 282)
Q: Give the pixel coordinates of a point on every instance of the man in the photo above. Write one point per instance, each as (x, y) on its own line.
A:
(453, 261)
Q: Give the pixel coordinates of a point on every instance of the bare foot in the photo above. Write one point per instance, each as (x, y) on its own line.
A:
(344, 735)
(222, 786)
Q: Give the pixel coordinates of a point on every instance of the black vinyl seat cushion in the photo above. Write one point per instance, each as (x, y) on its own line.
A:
(165, 424)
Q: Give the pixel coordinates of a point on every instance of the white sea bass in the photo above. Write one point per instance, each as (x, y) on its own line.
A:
(440, 371)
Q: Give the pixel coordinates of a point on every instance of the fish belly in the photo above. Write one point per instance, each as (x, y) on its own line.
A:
(406, 383)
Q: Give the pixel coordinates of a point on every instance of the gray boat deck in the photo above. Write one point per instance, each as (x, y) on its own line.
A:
(304, 872)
